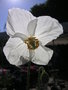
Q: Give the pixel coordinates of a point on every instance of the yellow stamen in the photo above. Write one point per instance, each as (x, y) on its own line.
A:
(32, 43)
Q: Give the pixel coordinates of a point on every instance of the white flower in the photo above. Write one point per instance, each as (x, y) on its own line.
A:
(28, 35)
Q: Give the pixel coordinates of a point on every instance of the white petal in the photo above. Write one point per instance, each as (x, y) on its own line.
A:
(31, 54)
(16, 51)
(50, 51)
(32, 27)
(42, 55)
(47, 29)
(20, 35)
(18, 20)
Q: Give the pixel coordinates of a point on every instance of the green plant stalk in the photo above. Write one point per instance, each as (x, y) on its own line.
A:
(28, 75)
(38, 88)
(41, 72)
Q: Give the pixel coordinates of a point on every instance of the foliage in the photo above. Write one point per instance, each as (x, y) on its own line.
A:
(38, 10)
(55, 8)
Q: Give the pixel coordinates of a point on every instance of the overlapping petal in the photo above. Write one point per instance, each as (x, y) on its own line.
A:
(42, 56)
(20, 35)
(47, 29)
(18, 20)
(32, 27)
(16, 51)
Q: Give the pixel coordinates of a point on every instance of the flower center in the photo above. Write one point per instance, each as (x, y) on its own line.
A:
(32, 43)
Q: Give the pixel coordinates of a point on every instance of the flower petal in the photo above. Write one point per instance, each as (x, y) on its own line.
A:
(47, 29)
(42, 55)
(18, 20)
(32, 27)
(20, 35)
(31, 54)
(16, 51)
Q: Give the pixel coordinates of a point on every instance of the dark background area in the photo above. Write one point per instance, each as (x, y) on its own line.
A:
(57, 9)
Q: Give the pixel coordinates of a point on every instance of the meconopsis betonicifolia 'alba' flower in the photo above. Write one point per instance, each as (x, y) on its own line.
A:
(28, 37)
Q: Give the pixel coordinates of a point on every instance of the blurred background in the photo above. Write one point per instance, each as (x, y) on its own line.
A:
(55, 8)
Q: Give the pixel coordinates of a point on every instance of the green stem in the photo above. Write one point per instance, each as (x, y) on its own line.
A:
(41, 72)
(39, 80)
(28, 75)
